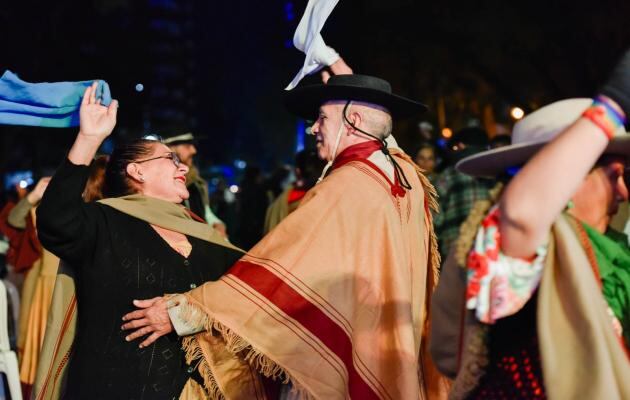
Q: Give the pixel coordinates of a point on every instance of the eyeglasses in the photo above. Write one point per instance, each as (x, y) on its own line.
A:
(171, 156)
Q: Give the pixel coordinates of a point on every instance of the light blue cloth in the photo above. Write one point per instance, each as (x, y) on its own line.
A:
(52, 105)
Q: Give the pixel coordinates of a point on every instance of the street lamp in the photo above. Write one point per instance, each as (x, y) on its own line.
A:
(517, 113)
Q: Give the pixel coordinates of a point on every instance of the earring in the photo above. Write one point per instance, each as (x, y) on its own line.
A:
(141, 179)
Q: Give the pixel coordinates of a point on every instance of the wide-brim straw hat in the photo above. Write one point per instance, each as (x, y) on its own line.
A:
(531, 133)
(305, 101)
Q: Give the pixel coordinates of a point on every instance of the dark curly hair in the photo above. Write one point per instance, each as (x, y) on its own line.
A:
(117, 183)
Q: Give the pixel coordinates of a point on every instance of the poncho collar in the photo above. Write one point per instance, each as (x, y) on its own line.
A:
(361, 152)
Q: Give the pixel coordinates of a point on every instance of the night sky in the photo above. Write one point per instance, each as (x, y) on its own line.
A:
(218, 68)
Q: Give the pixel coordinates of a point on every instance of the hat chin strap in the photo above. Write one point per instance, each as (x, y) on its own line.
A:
(399, 174)
(334, 154)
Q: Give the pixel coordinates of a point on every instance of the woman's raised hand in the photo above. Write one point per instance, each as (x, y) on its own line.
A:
(97, 121)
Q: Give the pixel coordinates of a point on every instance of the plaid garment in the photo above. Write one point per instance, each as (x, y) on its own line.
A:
(457, 193)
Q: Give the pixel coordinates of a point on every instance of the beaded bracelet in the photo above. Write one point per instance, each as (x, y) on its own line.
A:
(603, 114)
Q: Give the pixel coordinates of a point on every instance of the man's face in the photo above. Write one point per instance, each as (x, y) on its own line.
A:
(185, 152)
(326, 128)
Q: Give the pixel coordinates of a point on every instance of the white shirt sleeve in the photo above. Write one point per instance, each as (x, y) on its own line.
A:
(182, 327)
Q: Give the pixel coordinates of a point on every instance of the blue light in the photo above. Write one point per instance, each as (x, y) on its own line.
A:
(511, 171)
(223, 172)
(300, 135)
(288, 43)
(227, 172)
(288, 11)
(441, 142)
(12, 179)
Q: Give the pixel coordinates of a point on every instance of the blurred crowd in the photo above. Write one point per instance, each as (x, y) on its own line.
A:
(243, 212)
(472, 266)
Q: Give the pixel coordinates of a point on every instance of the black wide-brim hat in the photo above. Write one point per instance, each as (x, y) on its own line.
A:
(305, 101)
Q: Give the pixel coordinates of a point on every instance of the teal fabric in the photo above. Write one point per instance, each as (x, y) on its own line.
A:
(613, 259)
(52, 105)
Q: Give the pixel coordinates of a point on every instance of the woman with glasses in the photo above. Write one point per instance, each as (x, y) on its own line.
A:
(138, 243)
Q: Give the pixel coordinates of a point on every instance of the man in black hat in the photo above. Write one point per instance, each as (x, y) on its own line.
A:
(198, 202)
(334, 299)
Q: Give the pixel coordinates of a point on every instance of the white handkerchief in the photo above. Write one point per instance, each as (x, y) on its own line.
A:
(309, 40)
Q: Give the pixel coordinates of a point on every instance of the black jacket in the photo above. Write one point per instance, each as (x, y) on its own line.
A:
(117, 259)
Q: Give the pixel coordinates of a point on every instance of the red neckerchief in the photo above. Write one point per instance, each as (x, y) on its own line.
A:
(361, 152)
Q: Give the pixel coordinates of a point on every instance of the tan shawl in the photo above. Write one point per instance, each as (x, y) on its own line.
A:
(61, 324)
(333, 300)
(581, 355)
(36, 310)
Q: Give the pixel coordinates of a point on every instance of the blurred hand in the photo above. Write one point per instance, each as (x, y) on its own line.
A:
(151, 319)
(617, 87)
(339, 67)
(38, 192)
(97, 121)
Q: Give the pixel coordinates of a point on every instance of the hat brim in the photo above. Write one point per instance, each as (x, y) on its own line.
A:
(305, 101)
(194, 141)
(494, 162)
